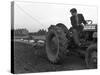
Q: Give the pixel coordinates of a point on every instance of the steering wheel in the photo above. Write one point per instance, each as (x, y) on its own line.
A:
(89, 21)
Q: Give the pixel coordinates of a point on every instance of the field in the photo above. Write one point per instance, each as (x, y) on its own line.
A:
(29, 59)
(34, 37)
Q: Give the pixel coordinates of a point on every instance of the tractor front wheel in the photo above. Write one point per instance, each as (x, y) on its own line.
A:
(91, 56)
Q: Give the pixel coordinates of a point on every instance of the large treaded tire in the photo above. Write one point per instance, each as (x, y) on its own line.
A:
(56, 44)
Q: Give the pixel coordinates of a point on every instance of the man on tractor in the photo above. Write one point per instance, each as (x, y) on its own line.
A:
(77, 21)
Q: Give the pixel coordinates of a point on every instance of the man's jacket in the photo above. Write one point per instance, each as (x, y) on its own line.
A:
(74, 21)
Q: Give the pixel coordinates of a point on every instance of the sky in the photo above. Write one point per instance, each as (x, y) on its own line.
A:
(35, 16)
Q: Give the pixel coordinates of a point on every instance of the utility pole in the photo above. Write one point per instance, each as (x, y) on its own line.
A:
(12, 37)
(12, 15)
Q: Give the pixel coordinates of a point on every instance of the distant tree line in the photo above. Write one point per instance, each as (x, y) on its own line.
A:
(39, 32)
(21, 32)
(24, 31)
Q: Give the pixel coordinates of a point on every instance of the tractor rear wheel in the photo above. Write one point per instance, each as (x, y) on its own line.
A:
(56, 44)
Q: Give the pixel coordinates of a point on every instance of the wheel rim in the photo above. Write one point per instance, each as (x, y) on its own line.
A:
(54, 45)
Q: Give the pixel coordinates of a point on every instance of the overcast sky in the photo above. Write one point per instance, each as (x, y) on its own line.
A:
(35, 16)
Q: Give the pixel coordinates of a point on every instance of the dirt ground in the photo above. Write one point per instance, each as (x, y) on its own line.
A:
(29, 59)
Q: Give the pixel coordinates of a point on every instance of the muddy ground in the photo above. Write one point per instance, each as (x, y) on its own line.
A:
(29, 59)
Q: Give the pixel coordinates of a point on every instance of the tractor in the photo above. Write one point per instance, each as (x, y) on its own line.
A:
(60, 42)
